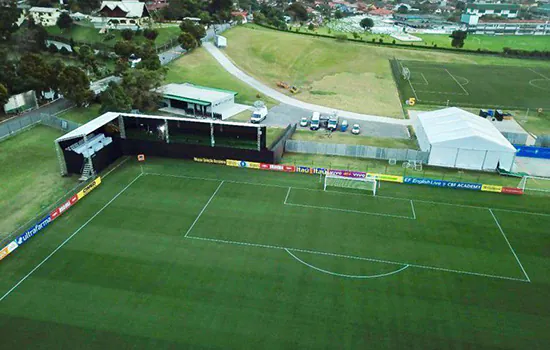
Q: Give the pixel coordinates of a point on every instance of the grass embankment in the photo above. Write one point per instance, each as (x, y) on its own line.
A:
(345, 75)
(383, 167)
(91, 35)
(30, 176)
(490, 42)
(349, 139)
(82, 115)
(198, 67)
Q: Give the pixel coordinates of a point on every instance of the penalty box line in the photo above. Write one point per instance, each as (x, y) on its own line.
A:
(69, 238)
(347, 210)
(352, 257)
(350, 193)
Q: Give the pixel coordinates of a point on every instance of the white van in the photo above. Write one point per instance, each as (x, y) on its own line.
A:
(315, 121)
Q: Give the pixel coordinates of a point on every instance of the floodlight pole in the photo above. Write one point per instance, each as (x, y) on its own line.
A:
(212, 141)
(167, 131)
(259, 138)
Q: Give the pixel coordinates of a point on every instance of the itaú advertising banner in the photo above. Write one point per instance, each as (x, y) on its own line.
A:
(442, 183)
(310, 170)
(89, 187)
(348, 173)
(7, 250)
(278, 167)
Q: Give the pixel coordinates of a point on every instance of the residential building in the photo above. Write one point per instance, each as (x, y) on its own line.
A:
(511, 27)
(123, 14)
(45, 16)
(502, 10)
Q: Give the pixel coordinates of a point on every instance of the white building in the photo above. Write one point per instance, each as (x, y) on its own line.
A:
(122, 14)
(45, 16)
(502, 10)
(459, 139)
(199, 101)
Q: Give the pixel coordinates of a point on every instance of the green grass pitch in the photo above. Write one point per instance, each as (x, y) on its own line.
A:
(476, 85)
(187, 255)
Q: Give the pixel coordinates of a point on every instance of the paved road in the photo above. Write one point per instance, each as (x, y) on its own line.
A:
(233, 70)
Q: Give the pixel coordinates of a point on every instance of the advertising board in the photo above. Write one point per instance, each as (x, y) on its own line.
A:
(442, 183)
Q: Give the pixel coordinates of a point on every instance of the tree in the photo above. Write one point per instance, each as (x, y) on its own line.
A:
(4, 95)
(86, 6)
(127, 34)
(338, 14)
(53, 48)
(75, 85)
(34, 71)
(149, 58)
(366, 23)
(115, 99)
(150, 34)
(196, 30)
(8, 20)
(140, 86)
(64, 21)
(87, 57)
(297, 11)
(125, 48)
(458, 37)
(220, 6)
(403, 9)
(311, 27)
(187, 41)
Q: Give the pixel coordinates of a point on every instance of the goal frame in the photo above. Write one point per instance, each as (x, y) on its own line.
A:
(524, 187)
(370, 179)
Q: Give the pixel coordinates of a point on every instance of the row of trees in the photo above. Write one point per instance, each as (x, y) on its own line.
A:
(191, 34)
(208, 11)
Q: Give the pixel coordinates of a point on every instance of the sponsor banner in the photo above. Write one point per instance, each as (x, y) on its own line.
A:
(386, 177)
(251, 165)
(491, 188)
(89, 187)
(533, 152)
(33, 230)
(289, 168)
(63, 207)
(272, 167)
(304, 170)
(512, 190)
(318, 171)
(347, 173)
(442, 183)
(7, 250)
(231, 162)
(210, 161)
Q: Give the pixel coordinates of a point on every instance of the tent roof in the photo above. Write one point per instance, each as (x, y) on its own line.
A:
(133, 9)
(195, 93)
(108, 117)
(451, 125)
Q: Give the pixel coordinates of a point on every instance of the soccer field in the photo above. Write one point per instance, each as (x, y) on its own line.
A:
(179, 254)
(474, 85)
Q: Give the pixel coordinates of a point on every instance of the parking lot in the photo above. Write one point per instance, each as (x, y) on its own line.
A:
(282, 115)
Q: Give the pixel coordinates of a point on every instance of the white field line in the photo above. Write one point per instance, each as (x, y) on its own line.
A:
(413, 211)
(425, 80)
(456, 81)
(342, 210)
(287, 194)
(354, 194)
(204, 208)
(542, 75)
(58, 201)
(434, 268)
(344, 275)
(69, 238)
(509, 245)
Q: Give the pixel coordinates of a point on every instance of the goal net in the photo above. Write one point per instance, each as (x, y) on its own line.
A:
(406, 73)
(535, 183)
(365, 184)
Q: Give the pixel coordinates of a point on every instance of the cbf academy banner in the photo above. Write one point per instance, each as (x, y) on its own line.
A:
(442, 183)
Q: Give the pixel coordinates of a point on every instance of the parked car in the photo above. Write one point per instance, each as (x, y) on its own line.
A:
(356, 129)
(344, 126)
(303, 122)
(332, 123)
(315, 121)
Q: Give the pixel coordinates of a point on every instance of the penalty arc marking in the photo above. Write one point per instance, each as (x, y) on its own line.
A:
(344, 275)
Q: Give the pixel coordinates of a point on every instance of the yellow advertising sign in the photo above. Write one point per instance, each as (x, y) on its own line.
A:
(89, 187)
(491, 188)
(386, 177)
(253, 165)
(210, 161)
(232, 162)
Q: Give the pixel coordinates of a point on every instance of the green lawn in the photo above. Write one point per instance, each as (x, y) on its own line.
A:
(500, 87)
(491, 42)
(30, 176)
(91, 35)
(198, 67)
(345, 75)
(82, 115)
(349, 139)
(233, 258)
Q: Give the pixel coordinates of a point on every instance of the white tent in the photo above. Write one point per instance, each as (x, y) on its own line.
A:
(459, 139)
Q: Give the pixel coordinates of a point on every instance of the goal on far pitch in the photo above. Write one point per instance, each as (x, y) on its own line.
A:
(365, 184)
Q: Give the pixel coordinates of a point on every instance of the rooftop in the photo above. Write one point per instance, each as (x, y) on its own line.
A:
(133, 9)
(493, 6)
(201, 94)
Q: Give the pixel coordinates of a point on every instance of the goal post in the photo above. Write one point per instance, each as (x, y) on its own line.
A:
(535, 183)
(369, 184)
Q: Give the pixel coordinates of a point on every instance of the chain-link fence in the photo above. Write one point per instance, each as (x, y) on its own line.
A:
(13, 126)
(543, 141)
(59, 123)
(515, 138)
(358, 151)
